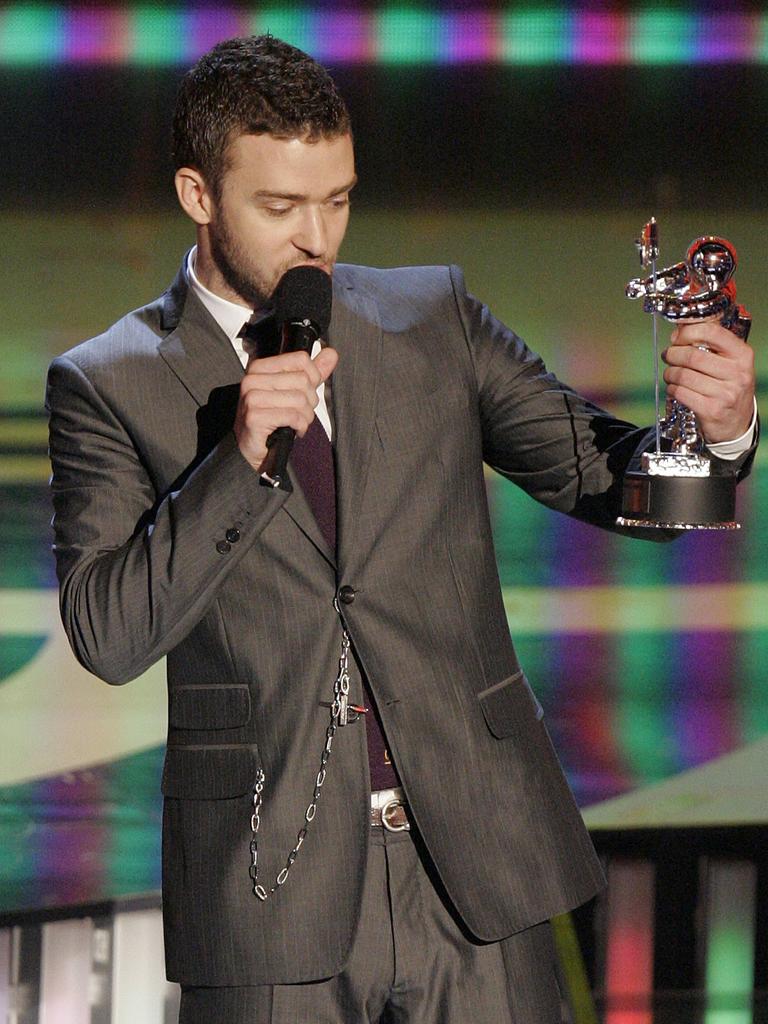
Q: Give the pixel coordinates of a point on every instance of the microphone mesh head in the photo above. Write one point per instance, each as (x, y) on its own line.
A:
(304, 293)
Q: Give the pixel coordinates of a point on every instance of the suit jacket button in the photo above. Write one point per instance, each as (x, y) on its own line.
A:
(347, 595)
(222, 547)
(232, 535)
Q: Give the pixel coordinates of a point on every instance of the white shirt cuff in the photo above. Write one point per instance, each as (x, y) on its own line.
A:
(729, 450)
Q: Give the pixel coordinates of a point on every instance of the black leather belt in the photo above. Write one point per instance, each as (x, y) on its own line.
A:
(389, 810)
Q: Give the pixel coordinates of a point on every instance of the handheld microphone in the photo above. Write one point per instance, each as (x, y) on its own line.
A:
(302, 301)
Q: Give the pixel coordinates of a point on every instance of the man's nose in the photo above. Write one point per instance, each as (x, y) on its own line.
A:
(311, 236)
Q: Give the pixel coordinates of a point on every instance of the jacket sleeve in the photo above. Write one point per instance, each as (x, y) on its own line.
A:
(138, 570)
(562, 449)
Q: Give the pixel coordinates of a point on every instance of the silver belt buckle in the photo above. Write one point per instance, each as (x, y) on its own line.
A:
(392, 804)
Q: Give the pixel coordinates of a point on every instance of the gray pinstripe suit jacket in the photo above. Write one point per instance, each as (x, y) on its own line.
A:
(147, 479)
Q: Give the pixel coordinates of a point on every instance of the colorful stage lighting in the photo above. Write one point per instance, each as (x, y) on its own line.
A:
(158, 35)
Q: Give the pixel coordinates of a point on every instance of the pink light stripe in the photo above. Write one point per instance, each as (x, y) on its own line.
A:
(207, 26)
(706, 697)
(471, 38)
(590, 744)
(629, 943)
(67, 844)
(345, 36)
(727, 38)
(97, 36)
(600, 39)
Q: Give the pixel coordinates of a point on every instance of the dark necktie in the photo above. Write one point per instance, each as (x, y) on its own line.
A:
(312, 464)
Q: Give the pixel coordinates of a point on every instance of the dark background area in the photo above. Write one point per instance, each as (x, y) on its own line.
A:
(538, 137)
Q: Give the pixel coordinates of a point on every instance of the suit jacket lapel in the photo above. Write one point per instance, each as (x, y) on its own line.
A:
(204, 360)
(356, 333)
(196, 348)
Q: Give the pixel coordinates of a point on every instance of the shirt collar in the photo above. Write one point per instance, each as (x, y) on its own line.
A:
(230, 316)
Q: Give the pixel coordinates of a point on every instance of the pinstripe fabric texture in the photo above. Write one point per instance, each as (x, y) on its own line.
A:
(167, 545)
(411, 960)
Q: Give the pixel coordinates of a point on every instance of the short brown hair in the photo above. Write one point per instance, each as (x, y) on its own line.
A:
(254, 85)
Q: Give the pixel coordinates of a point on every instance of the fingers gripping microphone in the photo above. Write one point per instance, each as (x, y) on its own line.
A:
(302, 301)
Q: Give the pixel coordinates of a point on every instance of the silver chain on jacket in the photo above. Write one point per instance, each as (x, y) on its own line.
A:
(339, 712)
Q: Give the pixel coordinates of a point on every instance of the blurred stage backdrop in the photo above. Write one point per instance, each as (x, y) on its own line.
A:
(526, 143)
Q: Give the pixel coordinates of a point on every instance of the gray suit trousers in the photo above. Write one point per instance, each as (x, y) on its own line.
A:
(412, 961)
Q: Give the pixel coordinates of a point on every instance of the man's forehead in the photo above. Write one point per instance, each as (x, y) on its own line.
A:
(284, 153)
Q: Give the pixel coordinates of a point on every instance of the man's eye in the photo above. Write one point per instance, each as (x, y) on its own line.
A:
(277, 211)
(339, 202)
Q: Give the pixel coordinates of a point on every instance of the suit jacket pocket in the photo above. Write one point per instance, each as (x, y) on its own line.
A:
(209, 706)
(209, 773)
(510, 706)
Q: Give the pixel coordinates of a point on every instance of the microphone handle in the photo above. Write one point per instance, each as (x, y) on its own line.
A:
(297, 336)
(273, 469)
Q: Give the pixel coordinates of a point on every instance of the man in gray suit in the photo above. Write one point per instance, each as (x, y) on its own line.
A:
(347, 634)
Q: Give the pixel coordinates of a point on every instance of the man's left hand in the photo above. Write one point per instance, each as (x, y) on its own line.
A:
(718, 384)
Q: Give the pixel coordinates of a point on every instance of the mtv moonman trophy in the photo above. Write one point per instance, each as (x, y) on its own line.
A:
(676, 487)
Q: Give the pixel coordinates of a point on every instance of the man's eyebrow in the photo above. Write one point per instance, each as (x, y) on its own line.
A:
(344, 188)
(267, 193)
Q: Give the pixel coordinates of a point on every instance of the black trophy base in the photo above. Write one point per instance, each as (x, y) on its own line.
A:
(679, 502)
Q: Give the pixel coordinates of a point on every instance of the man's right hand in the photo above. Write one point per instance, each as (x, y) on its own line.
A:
(279, 391)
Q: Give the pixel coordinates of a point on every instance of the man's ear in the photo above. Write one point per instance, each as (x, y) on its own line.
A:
(194, 195)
